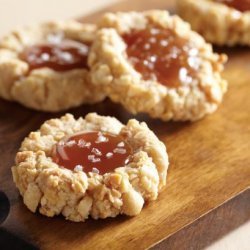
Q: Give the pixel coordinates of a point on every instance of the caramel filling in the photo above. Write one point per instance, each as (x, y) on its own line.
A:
(241, 5)
(62, 56)
(160, 54)
(96, 152)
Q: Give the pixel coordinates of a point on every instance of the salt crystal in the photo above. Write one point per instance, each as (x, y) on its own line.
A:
(154, 31)
(96, 151)
(70, 143)
(121, 144)
(101, 138)
(93, 159)
(164, 43)
(109, 155)
(96, 160)
(84, 49)
(95, 171)
(152, 58)
(45, 56)
(145, 62)
(81, 143)
(55, 37)
(66, 56)
(120, 150)
(78, 168)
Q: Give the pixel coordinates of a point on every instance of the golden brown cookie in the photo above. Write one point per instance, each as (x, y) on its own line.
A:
(44, 67)
(154, 63)
(221, 22)
(93, 166)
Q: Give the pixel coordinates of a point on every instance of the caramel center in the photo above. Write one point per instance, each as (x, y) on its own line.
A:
(66, 55)
(160, 54)
(96, 152)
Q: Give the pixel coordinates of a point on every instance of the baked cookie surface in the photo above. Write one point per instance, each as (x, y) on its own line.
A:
(220, 22)
(120, 168)
(44, 67)
(152, 62)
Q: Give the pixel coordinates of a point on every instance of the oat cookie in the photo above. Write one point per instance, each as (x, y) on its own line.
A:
(120, 168)
(152, 62)
(44, 66)
(221, 22)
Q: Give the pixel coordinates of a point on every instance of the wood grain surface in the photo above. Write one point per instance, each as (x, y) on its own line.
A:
(207, 192)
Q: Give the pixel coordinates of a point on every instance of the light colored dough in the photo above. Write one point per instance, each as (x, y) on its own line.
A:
(56, 190)
(112, 70)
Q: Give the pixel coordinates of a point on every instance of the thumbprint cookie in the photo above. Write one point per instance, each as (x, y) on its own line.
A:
(154, 63)
(222, 22)
(44, 66)
(94, 166)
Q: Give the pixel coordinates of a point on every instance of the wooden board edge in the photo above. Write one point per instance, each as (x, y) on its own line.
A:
(211, 226)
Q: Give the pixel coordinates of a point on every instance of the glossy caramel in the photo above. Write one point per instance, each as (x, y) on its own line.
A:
(92, 152)
(241, 5)
(62, 56)
(159, 54)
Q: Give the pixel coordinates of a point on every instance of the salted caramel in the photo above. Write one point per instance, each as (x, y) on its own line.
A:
(63, 56)
(96, 152)
(159, 54)
(241, 5)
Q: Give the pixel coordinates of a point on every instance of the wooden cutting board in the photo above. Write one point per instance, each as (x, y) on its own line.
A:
(207, 193)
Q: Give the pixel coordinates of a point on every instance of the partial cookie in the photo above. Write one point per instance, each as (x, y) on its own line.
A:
(152, 62)
(44, 67)
(94, 166)
(221, 22)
